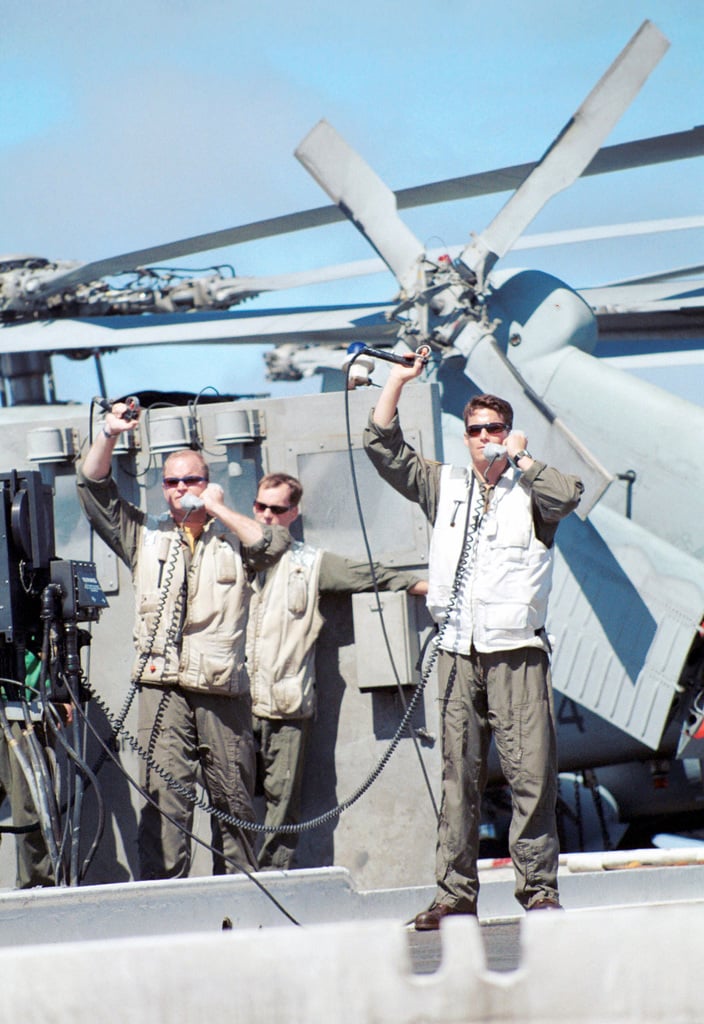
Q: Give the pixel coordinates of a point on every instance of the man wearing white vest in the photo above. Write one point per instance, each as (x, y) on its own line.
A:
(191, 571)
(490, 572)
(284, 624)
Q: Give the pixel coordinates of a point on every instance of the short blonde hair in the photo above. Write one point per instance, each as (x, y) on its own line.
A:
(205, 469)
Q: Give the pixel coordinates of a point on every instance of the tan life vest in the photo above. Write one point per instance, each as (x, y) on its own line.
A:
(284, 623)
(190, 622)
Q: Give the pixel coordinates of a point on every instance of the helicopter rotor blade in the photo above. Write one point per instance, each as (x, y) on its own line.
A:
(372, 208)
(658, 277)
(365, 199)
(129, 261)
(243, 286)
(563, 162)
(574, 236)
(334, 325)
(253, 285)
(574, 147)
(623, 156)
(568, 236)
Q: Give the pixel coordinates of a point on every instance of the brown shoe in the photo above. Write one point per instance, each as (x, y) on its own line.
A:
(546, 903)
(429, 920)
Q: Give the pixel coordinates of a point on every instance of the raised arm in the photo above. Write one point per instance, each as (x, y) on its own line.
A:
(387, 403)
(98, 460)
(248, 531)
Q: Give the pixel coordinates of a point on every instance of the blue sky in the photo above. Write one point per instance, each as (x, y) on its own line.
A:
(122, 126)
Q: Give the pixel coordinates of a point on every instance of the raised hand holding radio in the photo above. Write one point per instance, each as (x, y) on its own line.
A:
(120, 416)
(514, 449)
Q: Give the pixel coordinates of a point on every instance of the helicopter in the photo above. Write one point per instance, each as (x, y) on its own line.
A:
(628, 600)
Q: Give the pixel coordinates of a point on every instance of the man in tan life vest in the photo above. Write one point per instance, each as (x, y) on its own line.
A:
(191, 569)
(284, 624)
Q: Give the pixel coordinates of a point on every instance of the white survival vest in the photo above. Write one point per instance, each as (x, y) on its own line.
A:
(503, 597)
(284, 623)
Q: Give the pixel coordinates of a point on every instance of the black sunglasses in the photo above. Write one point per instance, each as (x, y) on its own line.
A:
(174, 481)
(491, 428)
(277, 510)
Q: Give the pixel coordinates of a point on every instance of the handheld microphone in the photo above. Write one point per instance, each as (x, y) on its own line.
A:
(392, 357)
(492, 451)
(191, 502)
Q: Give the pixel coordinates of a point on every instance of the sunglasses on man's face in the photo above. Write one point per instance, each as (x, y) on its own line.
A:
(189, 481)
(491, 428)
(277, 510)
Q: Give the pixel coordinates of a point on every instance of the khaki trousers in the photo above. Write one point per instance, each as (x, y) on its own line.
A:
(508, 695)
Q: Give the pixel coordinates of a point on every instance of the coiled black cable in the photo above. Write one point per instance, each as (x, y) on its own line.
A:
(118, 722)
(150, 799)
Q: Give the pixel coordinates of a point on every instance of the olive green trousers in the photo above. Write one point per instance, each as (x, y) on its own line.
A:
(506, 695)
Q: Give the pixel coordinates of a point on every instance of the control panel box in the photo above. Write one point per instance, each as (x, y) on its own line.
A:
(375, 668)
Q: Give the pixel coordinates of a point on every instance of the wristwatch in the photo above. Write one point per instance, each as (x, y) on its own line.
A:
(521, 454)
